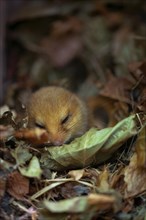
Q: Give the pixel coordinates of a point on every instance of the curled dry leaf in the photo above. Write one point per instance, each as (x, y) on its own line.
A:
(36, 136)
(85, 205)
(18, 185)
(93, 148)
(103, 181)
(117, 180)
(135, 178)
(118, 88)
(135, 173)
(141, 149)
(76, 174)
(105, 201)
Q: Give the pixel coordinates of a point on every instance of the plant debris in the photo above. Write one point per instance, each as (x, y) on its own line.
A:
(96, 49)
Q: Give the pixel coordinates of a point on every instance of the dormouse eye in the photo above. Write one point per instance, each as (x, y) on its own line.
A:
(65, 119)
(39, 125)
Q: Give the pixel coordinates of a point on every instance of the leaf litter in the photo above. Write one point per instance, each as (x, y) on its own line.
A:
(102, 174)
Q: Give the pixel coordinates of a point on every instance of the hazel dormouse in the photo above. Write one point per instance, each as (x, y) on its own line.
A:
(61, 113)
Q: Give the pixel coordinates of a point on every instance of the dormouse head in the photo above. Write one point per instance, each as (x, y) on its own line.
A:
(61, 113)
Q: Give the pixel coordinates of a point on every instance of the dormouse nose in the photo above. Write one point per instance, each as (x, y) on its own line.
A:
(57, 142)
(56, 138)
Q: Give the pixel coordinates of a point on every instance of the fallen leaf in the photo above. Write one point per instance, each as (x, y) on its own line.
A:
(21, 154)
(33, 169)
(135, 172)
(118, 88)
(93, 148)
(103, 181)
(138, 70)
(135, 178)
(17, 185)
(141, 149)
(88, 206)
(2, 186)
(142, 100)
(117, 180)
(76, 174)
(36, 135)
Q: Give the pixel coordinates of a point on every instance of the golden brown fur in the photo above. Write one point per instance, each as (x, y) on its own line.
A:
(60, 112)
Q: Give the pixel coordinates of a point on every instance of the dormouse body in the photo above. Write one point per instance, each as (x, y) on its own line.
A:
(60, 112)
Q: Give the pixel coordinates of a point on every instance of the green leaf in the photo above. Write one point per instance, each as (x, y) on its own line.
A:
(76, 205)
(33, 169)
(93, 148)
(83, 206)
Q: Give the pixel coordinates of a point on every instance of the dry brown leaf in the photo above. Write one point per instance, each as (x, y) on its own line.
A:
(117, 180)
(138, 70)
(135, 178)
(104, 202)
(36, 136)
(18, 185)
(2, 186)
(128, 205)
(141, 149)
(76, 174)
(93, 175)
(142, 100)
(103, 180)
(92, 148)
(118, 88)
(83, 205)
(135, 173)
